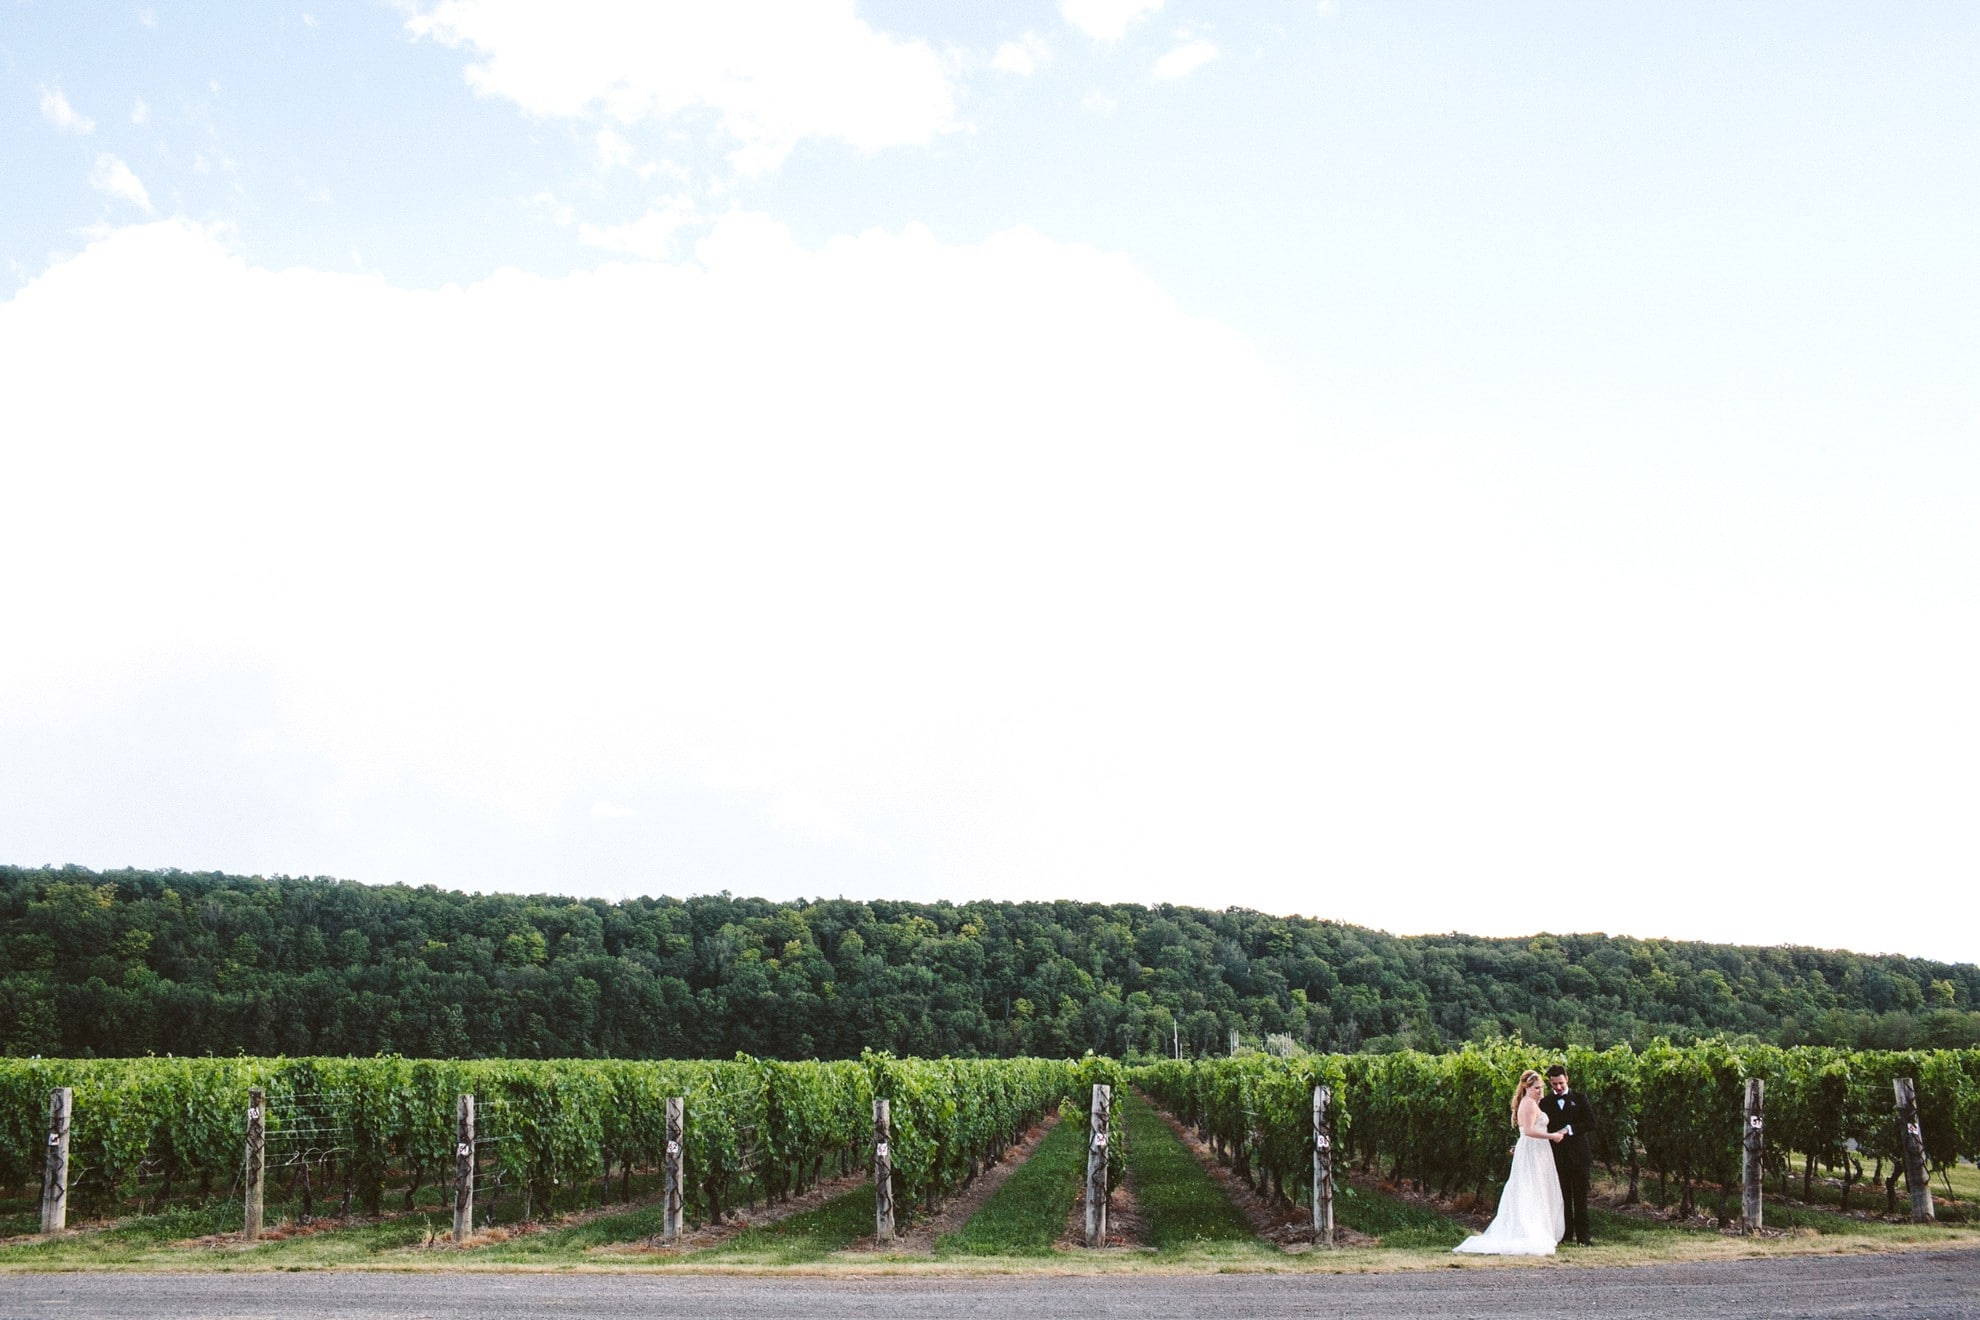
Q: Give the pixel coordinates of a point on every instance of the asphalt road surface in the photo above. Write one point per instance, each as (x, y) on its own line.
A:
(1939, 1284)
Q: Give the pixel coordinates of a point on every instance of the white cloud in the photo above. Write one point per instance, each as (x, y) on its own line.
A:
(1023, 56)
(547, 204)
(773, 72)
(613, 149)
(309, 20)
(1100, 103)
(1329, 8)
(140, 112)
(611, 811)
(1185, 59)
(893, 543)
(55, 108)
(896, 567)
(1106, 20)
(652, 236)
(148, 17)
(113, 177)
(810, 820)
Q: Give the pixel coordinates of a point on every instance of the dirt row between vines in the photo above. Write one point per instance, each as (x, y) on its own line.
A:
(1277, 1222)
(919, 1237)
(1127, 1227)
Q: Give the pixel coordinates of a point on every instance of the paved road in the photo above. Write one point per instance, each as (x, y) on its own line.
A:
(1940, 1285)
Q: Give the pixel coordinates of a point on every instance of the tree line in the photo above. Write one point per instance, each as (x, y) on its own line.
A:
(131, 962)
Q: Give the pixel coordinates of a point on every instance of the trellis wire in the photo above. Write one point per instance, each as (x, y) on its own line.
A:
(308, 1144)
(491, 1171)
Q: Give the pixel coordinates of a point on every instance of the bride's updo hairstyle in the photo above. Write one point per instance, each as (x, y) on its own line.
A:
(1526, 1079)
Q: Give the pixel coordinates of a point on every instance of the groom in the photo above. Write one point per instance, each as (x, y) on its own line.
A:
(1573, 1154)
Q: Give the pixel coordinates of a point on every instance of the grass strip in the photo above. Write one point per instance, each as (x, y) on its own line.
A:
(1182, 1204)
(155, 1241)
(1396, 1221)
(800, 1239)
(1024, 1216)
(631, 1225)
(121, 1240)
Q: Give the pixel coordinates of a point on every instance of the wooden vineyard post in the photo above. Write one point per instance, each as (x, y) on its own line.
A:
(1752, 1148)
(1913, 1136)
(463, 1169)
(1100, 1118)
(55, 1173)
(1323, 1167)
(883, 1172)
(257, 1162)
(670, 1223)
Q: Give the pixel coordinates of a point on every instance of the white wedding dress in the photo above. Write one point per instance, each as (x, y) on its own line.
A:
(1531, 1220)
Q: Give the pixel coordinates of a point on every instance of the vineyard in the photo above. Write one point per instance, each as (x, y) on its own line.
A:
(1441, 1120)
(348, 1132)
(380, 1136)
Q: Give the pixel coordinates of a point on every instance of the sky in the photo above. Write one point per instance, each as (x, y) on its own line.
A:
(1436, 466)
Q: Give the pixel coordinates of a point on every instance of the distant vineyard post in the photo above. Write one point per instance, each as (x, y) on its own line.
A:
(463, 1169)
(1323, 1167)
(670, 1223)
(1099, 1119)
(257, 1162)
(55, 1173)
(1752, 1146)
(883, 1172)
(1916, 1180)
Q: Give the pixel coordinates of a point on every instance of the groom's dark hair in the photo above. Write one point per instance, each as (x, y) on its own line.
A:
(1557, 1071)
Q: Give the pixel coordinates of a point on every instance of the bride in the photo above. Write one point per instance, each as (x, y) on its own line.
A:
(1530, 1219)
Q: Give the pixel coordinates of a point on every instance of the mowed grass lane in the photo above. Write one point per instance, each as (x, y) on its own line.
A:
(1025, 1216)
(800, 1239)
(1397, 1222)
(181, 1237)
(1185, 1209)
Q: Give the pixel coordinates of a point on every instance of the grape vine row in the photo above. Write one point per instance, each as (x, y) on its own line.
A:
(1672, 1111)
(755, 1128)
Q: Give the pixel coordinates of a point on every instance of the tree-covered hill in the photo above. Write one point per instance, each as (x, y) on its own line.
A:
(129, 962)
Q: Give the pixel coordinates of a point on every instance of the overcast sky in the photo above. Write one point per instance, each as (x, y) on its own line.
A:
(1498, 468)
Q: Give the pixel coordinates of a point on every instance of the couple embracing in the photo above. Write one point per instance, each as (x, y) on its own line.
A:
(1546, 1196)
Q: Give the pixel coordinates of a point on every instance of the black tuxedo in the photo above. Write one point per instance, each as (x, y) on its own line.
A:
(1573, 1155)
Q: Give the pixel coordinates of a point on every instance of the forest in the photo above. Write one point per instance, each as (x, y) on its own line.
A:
(133, 962)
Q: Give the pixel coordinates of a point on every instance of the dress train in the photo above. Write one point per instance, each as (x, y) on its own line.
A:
(1531, 1219)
